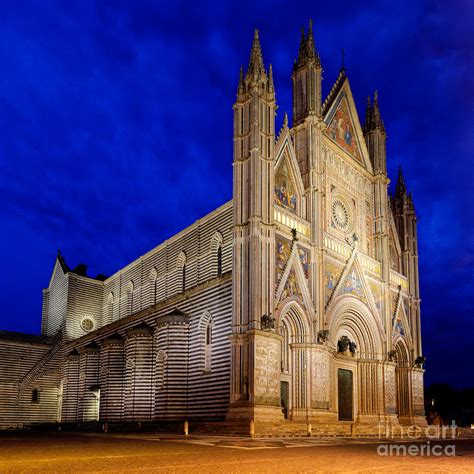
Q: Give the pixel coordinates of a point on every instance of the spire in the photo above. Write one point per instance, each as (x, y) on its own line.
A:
(311, 48)
(373, 119)
(256, 66)
(271, 85)
(307, 51)
(368, 113)
(241, 86)
(400, 188)
(376, 117)
(302, 49)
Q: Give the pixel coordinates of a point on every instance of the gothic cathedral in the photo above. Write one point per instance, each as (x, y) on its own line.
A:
(297, 302)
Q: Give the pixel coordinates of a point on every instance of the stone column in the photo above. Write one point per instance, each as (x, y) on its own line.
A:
(139, 389)
(171, 366)
(111, 378)
(89, 391)
(70, 377)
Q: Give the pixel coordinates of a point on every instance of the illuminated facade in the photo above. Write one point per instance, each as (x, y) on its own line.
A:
(297, 300)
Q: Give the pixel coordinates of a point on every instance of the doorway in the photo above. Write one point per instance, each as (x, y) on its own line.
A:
(284, 398)
(345, 394)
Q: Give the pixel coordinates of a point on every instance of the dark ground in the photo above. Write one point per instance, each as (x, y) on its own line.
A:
(33, 452)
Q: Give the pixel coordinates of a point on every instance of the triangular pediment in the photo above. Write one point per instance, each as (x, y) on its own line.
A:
(352, 282)
(343, 126)
(294, 272)
(400, 326)
(288, 183)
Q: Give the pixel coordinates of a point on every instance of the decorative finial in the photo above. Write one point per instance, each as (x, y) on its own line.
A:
(270, 78)
(285, 120)
(241, 80)
(256, 58)
(343, 67)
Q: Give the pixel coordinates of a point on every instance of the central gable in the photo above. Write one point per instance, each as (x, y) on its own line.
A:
(341, 129)
(343, 126)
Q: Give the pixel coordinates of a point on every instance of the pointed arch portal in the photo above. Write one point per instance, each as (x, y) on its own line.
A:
(295, 331)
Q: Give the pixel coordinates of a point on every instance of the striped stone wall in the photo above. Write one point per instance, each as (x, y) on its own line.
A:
(152, 365)
(184, 261)
(17, 359)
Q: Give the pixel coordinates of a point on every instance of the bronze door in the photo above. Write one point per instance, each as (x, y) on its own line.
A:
(345, 394)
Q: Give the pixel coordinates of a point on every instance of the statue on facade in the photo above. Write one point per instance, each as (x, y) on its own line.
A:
(352, 347)
(345, 345)
(420, 361)
(267, 322)
(392, 356)
(323, 336)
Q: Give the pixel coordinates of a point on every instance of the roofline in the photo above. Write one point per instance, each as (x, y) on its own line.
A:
(173, 238)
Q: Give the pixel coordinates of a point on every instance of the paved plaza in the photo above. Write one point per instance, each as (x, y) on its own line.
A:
(62, 452)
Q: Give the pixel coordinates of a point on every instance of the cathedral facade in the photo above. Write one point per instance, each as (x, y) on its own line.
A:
(295, 303)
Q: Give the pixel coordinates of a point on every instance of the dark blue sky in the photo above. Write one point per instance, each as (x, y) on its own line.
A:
(116, 132)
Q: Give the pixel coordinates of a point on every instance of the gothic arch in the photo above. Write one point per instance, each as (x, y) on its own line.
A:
(295, 329)
(294, 316)
(153, 274)
(129, 287)
(350, 317)
(403, 351)
(402, 373)
(205, 327)
(205, 320)
(181, 260)
(216, 241)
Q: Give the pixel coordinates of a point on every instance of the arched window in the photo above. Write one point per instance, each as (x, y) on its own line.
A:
(153, 284)
(206, 329)
(181, 265)
(216, 252)
(129, 293)
(110, 307)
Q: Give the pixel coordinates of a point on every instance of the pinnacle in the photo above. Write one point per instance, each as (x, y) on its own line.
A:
(400, 188)
(373, 119)
(256, 58)
(307, 51)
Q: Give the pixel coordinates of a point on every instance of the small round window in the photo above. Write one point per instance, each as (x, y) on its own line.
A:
(87, 324)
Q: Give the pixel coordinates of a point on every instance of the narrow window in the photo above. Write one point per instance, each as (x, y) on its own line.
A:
(208, 348)
(129, 290)
(219, 260)
(183, 277)
(35, 395)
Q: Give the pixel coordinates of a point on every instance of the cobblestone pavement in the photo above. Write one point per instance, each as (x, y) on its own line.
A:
(63, 452)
